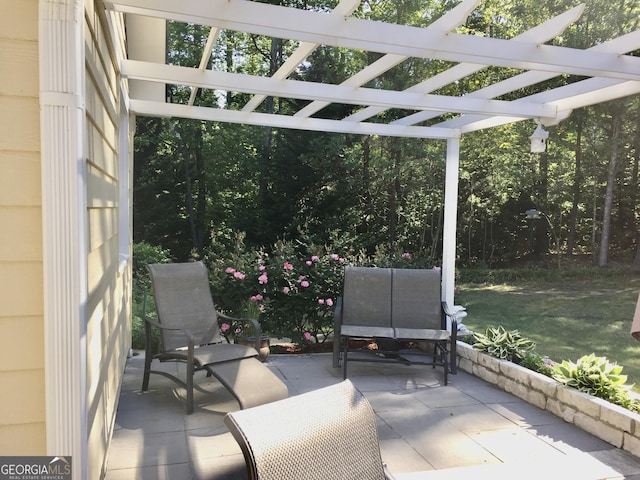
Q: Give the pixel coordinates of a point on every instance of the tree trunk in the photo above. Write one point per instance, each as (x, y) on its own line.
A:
(577, 184)
(603, 257)
(394, 192)
(195, 185)
(265, 158)
(542, 238)
(201, 194)
(634, 184)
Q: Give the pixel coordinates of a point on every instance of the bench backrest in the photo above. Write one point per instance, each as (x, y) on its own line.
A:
(366, 297)
(392, 298)
(416, 299)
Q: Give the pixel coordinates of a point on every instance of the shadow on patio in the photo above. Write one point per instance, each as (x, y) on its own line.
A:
(468, 429)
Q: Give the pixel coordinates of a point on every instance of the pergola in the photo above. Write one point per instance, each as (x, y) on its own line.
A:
(603, 72)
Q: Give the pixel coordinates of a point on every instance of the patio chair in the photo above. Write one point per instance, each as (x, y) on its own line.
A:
(327, 434)
(189, 333)
(394, 307)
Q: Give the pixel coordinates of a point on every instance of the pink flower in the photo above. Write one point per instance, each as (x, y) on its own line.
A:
(406, 255)
(262, 268)
(286, 290)
(315, 258)
(329, 302)
(262, 279)
(239, 275)
(309, 263)
(288, 266)
(335, 256)
(321, 301)
(342, 260)
(224, 327)
(256, 298)
(437, 268)
(307, 336)
(230, 270)
(304, 284)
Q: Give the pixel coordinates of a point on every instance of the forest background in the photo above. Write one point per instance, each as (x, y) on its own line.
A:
(239, 196)
(198, 183)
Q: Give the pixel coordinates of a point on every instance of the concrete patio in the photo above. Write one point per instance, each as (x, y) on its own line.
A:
(468, 429)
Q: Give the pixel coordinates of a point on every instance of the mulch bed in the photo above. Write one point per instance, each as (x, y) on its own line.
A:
(327, 347)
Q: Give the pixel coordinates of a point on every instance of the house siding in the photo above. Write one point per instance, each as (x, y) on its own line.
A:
(23, 416)
(108, 281)
(22, 398)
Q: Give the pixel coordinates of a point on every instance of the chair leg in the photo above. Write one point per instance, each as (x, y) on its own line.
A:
(148, 356)
(147, 371)
(336, 351)
(453, 358)
(189, 388)
(344, 359)
(445, 360)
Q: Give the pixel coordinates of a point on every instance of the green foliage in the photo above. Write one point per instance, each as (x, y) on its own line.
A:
(503, 344)
(292, 291)
(290, 288)
(537, 363)
(142, 302)
(598, 377)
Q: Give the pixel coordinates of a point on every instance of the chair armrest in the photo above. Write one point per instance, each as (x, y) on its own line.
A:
(148, 322)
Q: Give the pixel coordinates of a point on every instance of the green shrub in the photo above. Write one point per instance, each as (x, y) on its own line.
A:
(292, 286)
(142, 301)
(598, 377)
(292, 291)
(537, 363)
(507, 345)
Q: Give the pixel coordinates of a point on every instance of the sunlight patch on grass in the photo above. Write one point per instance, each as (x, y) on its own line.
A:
(566, 318)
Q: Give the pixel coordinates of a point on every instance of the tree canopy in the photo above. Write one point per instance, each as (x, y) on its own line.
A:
(192, 178)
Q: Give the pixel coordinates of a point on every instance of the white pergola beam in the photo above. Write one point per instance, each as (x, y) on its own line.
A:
(618, 46)
(303, 25)
(447, 22)
(137, 70)
(204, 60)
(567, 98)
(159, 109)
(541, 33)
(344, 9)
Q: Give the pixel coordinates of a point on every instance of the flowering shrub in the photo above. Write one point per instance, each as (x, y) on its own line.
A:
(292, 296)
(292, 290)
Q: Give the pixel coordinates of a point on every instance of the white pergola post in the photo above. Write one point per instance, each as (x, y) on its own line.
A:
(62, 127)
(450, 217)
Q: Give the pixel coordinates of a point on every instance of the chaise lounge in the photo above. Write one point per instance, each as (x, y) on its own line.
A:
(190, 334)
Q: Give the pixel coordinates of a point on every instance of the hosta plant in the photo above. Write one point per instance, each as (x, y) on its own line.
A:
(507, 345)
(598, 377)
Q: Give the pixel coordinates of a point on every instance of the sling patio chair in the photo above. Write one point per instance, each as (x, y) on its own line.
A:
(326, 434)
(190, 333)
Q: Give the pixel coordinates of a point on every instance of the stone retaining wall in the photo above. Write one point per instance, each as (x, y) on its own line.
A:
(609, 422)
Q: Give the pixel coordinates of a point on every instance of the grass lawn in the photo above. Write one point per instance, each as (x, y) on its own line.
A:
(568, 313)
